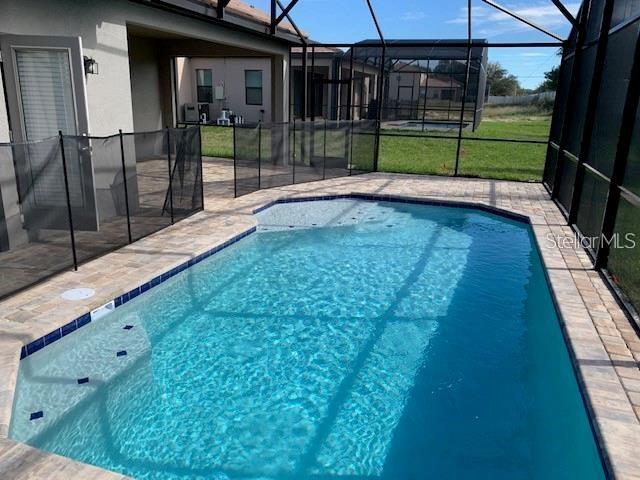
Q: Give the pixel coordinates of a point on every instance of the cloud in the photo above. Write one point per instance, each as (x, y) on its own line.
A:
(413, 16)
(490, 22)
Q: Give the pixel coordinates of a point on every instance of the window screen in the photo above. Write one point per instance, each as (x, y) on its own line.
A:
(204, 80)
(253, 86)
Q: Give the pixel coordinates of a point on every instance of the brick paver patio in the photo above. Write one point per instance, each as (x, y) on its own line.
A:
(603, 342)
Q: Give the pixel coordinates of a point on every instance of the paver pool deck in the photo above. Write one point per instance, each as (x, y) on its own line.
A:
(604, 344)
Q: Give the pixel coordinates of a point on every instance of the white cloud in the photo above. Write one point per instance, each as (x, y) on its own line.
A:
(490, 22)
(413, 16)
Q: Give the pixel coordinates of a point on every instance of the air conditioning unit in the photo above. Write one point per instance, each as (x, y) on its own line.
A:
(190, 112)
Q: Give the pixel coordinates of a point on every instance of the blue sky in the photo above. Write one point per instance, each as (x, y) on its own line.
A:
(349, 21)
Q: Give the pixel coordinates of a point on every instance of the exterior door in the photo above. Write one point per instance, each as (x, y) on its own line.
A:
(46, 94)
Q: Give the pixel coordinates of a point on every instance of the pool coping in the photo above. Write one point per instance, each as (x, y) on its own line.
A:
(596, 382)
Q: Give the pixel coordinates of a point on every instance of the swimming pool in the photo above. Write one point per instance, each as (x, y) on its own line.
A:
(345, 338)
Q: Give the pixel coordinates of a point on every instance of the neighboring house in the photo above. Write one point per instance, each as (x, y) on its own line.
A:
(412, 84)
(208, 85)
(422, 81)
(328, 73)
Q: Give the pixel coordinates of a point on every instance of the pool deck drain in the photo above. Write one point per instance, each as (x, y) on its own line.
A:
(604, 344)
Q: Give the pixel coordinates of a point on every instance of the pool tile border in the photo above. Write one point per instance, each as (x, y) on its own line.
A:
(398, 199)
(84, 319)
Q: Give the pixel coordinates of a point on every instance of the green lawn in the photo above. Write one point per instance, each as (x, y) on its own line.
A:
(217, 141)
(478, 158)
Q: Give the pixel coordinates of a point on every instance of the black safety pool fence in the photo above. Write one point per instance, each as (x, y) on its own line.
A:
(276, 154)
(67, 199)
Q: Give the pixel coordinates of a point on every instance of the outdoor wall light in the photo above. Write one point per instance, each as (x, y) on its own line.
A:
(90, 66)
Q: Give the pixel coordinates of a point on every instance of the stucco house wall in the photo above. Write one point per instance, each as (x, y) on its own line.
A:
(134, 45)
(102, 25)
(228, 72)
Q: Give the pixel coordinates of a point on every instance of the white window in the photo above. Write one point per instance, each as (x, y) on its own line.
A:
(253, 87)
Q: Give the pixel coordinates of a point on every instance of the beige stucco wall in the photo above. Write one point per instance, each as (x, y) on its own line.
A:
(132, 91)
(185, 84)
(146, 92)
(103, 28)
(229, 73)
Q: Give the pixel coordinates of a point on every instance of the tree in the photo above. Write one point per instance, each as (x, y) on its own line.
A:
(500, 82)
(550, 82)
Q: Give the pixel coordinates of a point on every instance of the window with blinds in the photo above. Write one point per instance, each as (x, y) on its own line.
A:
(46, 93)
(46, 97)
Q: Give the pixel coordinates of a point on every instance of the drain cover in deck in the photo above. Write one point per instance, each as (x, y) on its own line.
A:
(78, 294)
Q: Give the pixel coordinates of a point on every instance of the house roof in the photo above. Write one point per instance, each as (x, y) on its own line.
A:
(250, 12)
(443, 82)
(318, 49)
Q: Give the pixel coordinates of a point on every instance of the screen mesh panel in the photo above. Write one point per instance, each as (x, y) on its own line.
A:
(632, 173)
(612, 97)
(35, 239)
(607, 209)
(39, 204)
(246, 159)
(581, 97)
(568, 168)
(504, 160)
(550, 166)
(271, 155)
(592, 200)
(100, 226)
(186, 172)
(562, 95)
(624, 259)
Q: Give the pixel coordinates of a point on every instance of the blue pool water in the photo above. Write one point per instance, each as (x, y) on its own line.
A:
(345, 339)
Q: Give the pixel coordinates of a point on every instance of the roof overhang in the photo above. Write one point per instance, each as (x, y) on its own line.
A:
(207, 11)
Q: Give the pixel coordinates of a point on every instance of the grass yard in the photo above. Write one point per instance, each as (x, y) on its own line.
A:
(217, 141)
(478, 158)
